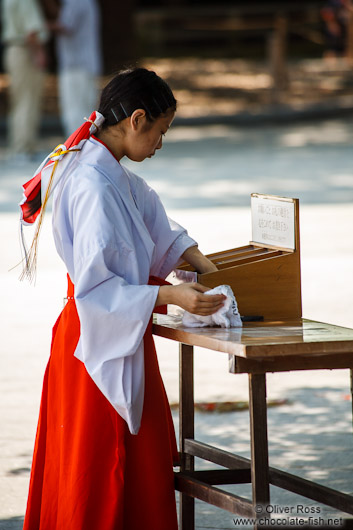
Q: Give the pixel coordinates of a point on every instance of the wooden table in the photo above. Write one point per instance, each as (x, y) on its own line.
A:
(255, 349)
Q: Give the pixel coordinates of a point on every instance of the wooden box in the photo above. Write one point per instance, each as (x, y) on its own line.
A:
(265, 274)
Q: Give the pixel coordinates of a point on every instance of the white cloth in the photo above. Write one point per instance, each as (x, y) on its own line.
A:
(20, 18)
(79, 61)
(25, 91)
(78, 95)
(79, 46)
(112, 232)
(226, 317)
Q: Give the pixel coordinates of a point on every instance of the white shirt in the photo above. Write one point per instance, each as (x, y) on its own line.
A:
(20, 18)
(79, 47)
(112, 232)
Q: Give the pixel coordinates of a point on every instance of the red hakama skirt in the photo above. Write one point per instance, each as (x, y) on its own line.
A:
(88, 471)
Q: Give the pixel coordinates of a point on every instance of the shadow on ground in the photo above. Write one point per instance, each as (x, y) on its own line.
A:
(13, 523)
(310, 436)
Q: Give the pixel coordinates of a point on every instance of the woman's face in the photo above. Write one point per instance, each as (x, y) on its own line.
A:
(144, 137)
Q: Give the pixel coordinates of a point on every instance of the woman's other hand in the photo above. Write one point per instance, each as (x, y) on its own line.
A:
(199, 261)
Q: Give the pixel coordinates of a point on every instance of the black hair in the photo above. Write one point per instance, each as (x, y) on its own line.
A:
(136, 88)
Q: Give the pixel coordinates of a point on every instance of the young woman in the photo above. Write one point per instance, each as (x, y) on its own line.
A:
(105, 442)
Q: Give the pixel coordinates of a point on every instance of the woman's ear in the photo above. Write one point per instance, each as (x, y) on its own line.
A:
(137, 118)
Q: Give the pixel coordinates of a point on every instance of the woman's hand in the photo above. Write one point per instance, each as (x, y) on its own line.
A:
(201, 264)
(191, 297)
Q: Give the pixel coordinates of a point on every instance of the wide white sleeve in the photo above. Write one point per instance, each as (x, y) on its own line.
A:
(170, 238)
(113, 313)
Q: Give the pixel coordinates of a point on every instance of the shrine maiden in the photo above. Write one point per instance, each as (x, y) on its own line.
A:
(105, 441)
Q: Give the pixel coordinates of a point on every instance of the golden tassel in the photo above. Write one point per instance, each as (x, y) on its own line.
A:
(30, 268)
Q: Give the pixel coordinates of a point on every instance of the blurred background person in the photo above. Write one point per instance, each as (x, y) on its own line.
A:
(24, 35)
(335, 16)
(78, 44)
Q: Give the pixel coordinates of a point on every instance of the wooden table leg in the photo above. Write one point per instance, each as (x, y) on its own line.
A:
(259, 444)
(351, 374)
(186, 429)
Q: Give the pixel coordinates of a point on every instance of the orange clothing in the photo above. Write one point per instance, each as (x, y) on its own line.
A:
(89, 472)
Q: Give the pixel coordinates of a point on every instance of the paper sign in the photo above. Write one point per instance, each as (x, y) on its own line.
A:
(273, 221)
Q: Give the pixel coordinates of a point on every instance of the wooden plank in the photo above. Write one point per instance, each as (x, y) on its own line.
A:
(221, 476)
(282, 479)
(220, 255)
(272, 247)
(216, 455)
(258, 436)
(239, 365)
(215, 496)
(186, 390)
(351, 379)
(248, 251)
(231, 252)
(175, 331)
(254, 256)
(311, 490)
(261, 340)
(186, 429)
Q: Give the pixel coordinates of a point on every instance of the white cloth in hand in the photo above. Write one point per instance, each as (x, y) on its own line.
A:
(226, 317)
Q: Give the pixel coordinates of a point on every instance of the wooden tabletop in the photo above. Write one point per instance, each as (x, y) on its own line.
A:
(261, 340)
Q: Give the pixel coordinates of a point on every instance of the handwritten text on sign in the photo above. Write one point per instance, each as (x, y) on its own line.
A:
(273, 222)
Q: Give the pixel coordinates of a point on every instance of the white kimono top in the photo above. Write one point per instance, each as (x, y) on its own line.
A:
(112, 232)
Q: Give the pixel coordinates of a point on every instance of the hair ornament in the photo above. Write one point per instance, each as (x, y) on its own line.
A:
(124, 111)
(114, 114)
(97, 124)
